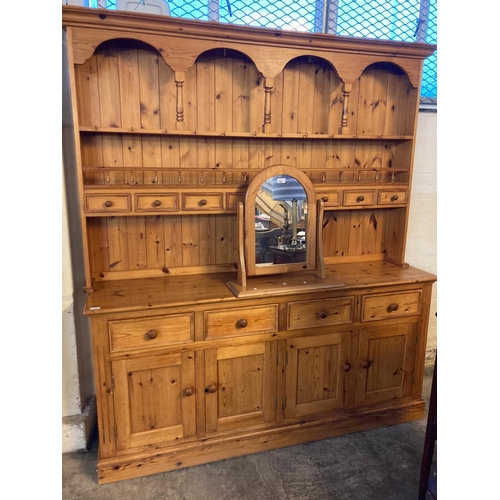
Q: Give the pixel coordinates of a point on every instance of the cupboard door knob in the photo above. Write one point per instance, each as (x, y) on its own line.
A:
(151, 334)
(322, 314)
(108, 203)
(242, 323)
(360, 198)
(203, 202)
(157, 203)
(188, 391)
(394, 197)
(325, 198)
(346, 367)
(392, 307)
(366, 364)
(211, 388)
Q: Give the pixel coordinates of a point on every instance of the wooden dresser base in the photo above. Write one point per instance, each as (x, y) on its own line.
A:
(219, 448)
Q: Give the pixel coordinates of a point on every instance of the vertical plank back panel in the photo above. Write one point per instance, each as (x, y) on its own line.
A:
(130, 100)
(109, 83)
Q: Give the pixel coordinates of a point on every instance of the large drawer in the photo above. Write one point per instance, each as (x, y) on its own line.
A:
(390, 305)
(156, 331)
(324, 312)
(241, 321)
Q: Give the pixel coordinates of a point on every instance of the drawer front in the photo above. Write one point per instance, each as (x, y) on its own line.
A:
(107, 203)
(313, 313)
(241, 321)
(359, 198)
(156, 203)
(207, 201)
(150, 332)
(232, 200)
(391, 197)
(390, 305)
(330, 199)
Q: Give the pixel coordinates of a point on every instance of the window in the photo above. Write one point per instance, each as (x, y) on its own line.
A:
(400, 20)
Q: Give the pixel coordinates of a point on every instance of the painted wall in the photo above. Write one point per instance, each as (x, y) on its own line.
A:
(421, 243)
(78, 384)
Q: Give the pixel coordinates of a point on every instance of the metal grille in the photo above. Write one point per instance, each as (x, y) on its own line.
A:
(400, 20)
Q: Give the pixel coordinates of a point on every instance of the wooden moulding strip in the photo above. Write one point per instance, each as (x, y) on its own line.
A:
(211, 450)
(255, 134)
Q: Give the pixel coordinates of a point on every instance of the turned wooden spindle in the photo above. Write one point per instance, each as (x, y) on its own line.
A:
(179, 100)
(344, 126)
(268, 88)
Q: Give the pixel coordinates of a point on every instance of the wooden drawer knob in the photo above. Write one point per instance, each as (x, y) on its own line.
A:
(392, 307)
(360, 198)
(203, 202)
(325, 198)
(242, 323)
(394, 197)
(151, 334)
(157, 203)
(366, 364)
(188, 391)
(211, 388)
(321, 314)
(346, 367)
(108, 203)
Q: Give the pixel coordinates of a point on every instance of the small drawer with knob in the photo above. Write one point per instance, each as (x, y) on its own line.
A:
(102, 203)
(359, 198)
(156, 203)
(150, 332)
(390, 305)
(324, 312)
(203, 202)
(240, 321)
(330, 198)
(391, 197)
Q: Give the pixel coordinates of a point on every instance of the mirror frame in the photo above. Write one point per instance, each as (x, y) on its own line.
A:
(254, 269)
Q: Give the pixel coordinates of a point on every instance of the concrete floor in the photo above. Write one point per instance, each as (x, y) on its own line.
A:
(382, 464)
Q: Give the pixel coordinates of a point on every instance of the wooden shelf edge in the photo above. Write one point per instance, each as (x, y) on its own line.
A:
(243, 135)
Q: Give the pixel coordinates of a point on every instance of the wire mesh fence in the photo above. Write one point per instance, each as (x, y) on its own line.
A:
(400, 20)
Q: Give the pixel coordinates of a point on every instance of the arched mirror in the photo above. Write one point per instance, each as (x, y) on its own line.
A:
(280, 222)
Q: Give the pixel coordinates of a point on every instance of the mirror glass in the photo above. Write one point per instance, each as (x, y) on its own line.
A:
(280, 221)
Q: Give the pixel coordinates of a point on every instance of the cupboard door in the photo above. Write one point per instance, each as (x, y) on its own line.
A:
(386, 358)
(240, 386)
(316, 373)
(154, 399)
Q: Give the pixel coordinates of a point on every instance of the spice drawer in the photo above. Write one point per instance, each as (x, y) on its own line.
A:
(313, 313)
(391, 197)
(107, 203)
(330, 198)
(156, 203)
(359, 198)
(390, 305)
(125, 335)
(206, 201)
(240, 321)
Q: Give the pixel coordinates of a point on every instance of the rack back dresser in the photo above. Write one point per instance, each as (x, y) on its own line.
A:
(194, 360)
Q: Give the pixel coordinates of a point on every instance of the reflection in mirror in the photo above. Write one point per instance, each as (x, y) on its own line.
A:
(280, 221)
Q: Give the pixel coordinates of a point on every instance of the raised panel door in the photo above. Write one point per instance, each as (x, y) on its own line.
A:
(240, 386)
(386, 359)
(316, 373)
(154, 399)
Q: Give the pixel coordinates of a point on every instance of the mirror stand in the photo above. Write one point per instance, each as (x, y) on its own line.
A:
(300, 263)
